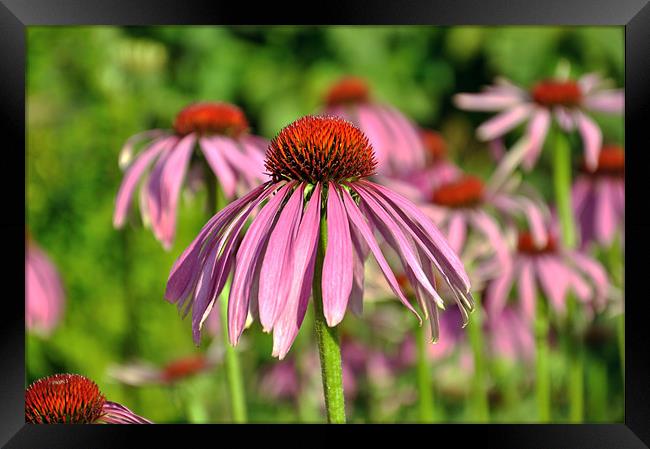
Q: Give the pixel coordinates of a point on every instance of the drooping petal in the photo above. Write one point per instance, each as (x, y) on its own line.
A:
(172, 181)
(133, 175)
(338, 263)
(592, 139)
(527, 290)
(126, 153)
(496, 293)
(249, 257)
(114, 413)
(554, 280)
(223, 171)
(606, 220)
(185, 270)
(275, 276)
(303, 253)
(360, 224)
(450, 264)
(537, 130)
(489, 228)
(360, 253)
(595, 271)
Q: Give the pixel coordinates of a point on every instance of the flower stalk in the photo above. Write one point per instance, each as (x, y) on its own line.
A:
(426, 407)
(329, 345)
(479, 387)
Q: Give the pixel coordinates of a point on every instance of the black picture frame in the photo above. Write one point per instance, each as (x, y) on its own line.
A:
(16, 15)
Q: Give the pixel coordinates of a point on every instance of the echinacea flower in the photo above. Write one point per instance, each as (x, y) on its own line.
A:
(552, 271)
(598, 197)
(394, 138)
(565, 100)
(44, 296)
(221, 131)
(73, 399)
(318, 166)
(467, 203)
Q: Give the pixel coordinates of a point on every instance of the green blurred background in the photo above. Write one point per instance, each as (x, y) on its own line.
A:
(90, 88)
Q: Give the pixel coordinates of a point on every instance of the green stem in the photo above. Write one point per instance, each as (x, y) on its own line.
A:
(425, 389)
(479, 388)
(543, 381)
(621, 343)
(562, 187)
(329, 346)
(597, 383)
(234, 376)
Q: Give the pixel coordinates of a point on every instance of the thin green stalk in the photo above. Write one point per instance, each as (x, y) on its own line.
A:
(479, 387)
(597, 383)
(621, 343)
(233, 368)
(329, 346)
(542, 381)
(425, 388)
(562, 187)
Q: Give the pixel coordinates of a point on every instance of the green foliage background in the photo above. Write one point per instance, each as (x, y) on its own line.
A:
(90, 88)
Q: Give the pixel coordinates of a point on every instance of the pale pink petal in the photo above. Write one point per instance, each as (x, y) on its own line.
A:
(610, 101)
(595, 271)
(496, 293)
(338, 264)
(592, 139)
(564, 118)
(133, 175)
(537, 130)
(504, 122)
(487, 101)
(457, 231)
(126, 153)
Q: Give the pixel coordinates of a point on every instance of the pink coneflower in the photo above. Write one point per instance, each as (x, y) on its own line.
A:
(510, 336)
(318, 166)
(44, 296)
(466, 203)
(73, 399)
(221, 131)
(553, 271)
(398, 147)
(565, 100)
(598, 197)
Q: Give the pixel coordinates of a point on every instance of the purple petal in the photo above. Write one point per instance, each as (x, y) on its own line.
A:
(595, 271)
(606, 220)
(275, 276)
(457, 231)
(338, 264)
(360, 224)
(496, 293)
(554, 280)
(249, 258)
(527, 290)
(303, 250)
(126, 153)
(185, 270)
(115, 413)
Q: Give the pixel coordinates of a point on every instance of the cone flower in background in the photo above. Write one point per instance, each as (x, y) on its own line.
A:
(598, 197)
(318, 166)
(564, 100)
(554, 271)
(44, 295)
(73, 399)
(394, 138)
(235, 156)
